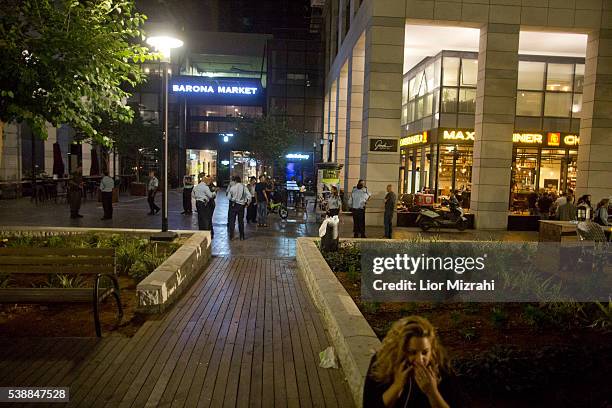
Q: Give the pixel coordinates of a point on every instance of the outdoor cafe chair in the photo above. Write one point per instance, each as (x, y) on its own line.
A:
(590, 231)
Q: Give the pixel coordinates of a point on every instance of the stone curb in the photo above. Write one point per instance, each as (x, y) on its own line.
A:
(351, 335)
(166, 283)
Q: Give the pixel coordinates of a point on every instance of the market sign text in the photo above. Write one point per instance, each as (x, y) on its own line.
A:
(414, 139)
(217, 89)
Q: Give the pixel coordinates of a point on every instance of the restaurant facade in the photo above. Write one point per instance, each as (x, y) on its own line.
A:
(494, 102)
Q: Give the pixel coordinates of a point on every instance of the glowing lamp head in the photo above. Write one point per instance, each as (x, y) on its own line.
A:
(164, 44)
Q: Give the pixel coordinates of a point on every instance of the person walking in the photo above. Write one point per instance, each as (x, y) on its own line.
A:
(229, 207)
(567, 211)
(251, 214)
(390, 200)
(357, 203)
(187, 190)
(261, 195)
(601, 215)
(202, 195)
(75, 193)
(106, 191)
(239, 197)
(151, 191)
(333, 202)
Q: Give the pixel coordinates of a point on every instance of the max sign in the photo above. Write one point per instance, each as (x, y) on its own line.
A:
(383, 145)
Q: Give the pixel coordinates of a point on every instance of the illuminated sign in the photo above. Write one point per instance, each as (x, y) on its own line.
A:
(554, 139)
(527, 138)
(458, 135)
(383, 145)
(297, 156)
(414, 139)
(571, 140)
(210, 89)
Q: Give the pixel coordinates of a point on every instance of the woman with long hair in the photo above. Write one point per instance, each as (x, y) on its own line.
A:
(411, 370)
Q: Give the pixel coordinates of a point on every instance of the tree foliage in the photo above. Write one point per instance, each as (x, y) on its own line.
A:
(268, 137)
(65, 62)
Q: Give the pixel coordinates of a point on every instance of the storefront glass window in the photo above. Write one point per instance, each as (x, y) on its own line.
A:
(524, 176)
(577, 106)
(469, 72)
(445, 170)
(467, 100)
(559, 77)
(531, 75)
(404, 113)
(419, 108)
(411, 111)
(451, 71)
(528, 103)
(572, 165)
(449, 100)
(550, 169)
(405, 91)
(579, 78)
(558, 104)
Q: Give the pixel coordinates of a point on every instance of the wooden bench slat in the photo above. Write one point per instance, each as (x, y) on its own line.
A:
(49, 295)
(58, 251)
(54, 260)
(61, 269)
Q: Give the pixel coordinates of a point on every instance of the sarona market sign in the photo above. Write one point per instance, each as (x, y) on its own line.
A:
(217, 89)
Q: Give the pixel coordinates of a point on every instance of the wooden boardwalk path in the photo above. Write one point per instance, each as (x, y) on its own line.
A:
(246, 334)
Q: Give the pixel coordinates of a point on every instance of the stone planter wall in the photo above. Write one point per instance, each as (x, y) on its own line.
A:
(166, 283)
(351, 335)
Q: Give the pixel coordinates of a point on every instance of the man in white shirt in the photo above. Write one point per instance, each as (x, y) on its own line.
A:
(239, 197)
(151, 191)
(204, 199)
(106, 188)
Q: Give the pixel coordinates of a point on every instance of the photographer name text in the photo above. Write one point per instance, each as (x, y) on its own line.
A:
(433, 286)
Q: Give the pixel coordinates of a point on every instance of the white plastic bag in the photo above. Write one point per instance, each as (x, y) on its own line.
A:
(334, 222)
(323, 227)
(327, 358)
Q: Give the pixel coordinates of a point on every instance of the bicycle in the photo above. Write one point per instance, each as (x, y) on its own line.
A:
(278, 208)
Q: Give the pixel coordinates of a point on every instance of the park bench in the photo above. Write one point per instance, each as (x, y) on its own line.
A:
(85, 262)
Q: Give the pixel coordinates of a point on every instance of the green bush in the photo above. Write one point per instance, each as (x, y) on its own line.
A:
(146, 263)
(347, 258)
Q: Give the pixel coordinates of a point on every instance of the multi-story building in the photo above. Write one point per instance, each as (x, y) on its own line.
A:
(495, 99)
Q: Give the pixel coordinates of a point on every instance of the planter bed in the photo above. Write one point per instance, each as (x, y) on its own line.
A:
(512, 354)
(136, 258)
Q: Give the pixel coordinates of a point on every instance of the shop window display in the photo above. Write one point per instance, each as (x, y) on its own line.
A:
(524, 177)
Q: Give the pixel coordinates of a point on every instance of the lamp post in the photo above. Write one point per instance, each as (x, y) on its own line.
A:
(322, 143)
(330, 139)
(164, 44)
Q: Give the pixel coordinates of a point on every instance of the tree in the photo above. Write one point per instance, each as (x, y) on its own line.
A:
(65, 62)
(268, 138)
(132, 139)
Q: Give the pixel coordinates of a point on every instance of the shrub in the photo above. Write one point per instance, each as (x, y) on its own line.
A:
(348, 256)
(145, 264)
(66, 281)
(499, 317)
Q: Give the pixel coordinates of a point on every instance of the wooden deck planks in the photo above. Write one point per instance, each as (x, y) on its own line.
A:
(246, 334)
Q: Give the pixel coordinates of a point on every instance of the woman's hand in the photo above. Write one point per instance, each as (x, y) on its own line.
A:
(400, 377)
(425, 379)
(427, 382)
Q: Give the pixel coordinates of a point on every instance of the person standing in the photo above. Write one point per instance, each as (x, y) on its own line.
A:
(75, 192)
(151, 191)
(203, 196)
(187, 190)
(601, 215)
(390, 199)
(239, 196)
(251, 214)
(229, 207)
(333, 202)
(357, 202)
(106, 190)
(262, 202)
(210, 211)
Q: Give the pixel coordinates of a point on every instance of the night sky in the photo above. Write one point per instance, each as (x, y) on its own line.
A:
(281, 17)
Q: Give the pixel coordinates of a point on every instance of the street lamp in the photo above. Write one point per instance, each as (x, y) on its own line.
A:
(330, 138)
(164, 44)
(322, 143)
